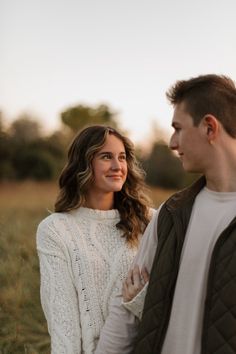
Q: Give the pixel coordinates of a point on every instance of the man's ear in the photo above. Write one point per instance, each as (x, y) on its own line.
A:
(211, 125)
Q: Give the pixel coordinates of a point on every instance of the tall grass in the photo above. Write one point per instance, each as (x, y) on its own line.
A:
(23, 327)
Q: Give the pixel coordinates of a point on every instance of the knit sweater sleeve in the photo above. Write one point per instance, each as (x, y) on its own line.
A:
(58, 295)
(145, 258)
(121, 326)
(137, 303)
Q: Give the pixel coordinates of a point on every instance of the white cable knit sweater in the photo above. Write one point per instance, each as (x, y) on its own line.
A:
(83, 258)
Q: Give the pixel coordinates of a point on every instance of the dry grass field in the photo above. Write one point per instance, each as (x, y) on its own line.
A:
(22, 205)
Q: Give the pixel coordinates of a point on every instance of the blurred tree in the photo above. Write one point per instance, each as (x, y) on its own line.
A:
(25, 129)
(1, 122)
(80, 116)
(26, 154)
(7, 170)
(34, 164)
(53, 151)
(164, 169)
(6, 151)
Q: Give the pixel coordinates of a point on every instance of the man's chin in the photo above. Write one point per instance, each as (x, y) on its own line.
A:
(188, 168)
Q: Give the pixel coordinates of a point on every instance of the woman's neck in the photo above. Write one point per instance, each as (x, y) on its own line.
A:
(99, 202)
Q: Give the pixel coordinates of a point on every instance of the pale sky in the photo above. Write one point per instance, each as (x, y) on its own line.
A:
(126, 53)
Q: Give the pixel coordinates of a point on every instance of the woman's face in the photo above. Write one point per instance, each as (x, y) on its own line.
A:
(109, 167)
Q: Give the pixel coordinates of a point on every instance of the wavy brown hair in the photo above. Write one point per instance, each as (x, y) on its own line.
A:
(132, 201)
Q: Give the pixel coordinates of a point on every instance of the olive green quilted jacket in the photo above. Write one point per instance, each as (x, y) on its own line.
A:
(219, 326)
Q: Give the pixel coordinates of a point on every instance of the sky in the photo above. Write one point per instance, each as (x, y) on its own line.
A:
(55, 54)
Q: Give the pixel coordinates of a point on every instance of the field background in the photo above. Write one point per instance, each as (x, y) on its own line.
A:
(23, 327)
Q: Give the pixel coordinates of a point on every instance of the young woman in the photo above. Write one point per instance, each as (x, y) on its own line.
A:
(86, 247)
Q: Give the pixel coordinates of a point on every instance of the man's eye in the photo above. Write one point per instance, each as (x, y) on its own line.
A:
(177, 129)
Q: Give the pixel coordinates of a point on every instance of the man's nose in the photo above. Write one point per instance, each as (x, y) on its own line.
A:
(173, 145)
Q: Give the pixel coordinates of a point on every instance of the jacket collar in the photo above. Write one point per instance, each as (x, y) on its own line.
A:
(186, 195)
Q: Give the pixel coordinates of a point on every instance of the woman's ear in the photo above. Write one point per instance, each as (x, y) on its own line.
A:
(211, 127)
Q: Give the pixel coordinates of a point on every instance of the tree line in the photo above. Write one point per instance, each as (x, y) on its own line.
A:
(27, 153)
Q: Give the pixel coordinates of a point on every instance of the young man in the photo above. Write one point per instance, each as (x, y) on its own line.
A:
(190, 247)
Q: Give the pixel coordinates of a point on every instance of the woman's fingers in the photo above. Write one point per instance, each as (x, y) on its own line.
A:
(145, 274)
(129, 278)
(134, 282)
(137, 279)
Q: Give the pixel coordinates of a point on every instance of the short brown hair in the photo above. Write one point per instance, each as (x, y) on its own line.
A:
(207, 94)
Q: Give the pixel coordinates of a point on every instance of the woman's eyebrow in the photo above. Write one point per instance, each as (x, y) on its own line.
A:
(104, 152)
(111, 153)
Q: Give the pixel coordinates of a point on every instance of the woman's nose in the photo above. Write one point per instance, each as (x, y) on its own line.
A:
(115, 164)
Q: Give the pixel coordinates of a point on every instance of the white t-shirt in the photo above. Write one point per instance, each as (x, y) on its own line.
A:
(212, 212)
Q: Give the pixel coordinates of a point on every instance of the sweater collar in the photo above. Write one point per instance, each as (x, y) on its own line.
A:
(95, 214)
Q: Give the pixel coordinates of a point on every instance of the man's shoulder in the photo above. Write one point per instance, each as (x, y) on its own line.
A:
(186, 195)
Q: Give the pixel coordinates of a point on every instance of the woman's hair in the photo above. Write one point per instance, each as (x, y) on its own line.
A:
(131, 202)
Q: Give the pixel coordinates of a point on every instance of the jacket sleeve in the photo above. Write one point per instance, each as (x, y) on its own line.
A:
(121, 326)
(58, 295)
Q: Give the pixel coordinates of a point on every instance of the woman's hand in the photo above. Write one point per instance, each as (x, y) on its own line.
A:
(134, 282)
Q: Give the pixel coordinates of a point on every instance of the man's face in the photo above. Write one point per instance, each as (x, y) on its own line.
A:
(188, 140)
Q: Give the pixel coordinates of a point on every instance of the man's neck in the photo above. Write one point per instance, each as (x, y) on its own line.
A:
(221, 171)
(221, 182)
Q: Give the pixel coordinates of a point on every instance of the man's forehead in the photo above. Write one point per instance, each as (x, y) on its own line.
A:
(177, 113)
(180, 114)
(181, 108)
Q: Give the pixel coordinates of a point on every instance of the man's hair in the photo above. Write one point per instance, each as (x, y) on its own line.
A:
(207, 94)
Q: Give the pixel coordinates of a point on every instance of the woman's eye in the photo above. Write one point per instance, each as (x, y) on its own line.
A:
(122, 157)
(106, 157)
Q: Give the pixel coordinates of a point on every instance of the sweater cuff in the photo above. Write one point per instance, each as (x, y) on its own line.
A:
(137, 303)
